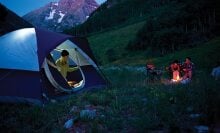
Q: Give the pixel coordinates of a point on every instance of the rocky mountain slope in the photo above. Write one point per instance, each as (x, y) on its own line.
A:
(57, 16)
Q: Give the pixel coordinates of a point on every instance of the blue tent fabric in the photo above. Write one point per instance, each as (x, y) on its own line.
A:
(47, 41)
(28, 82)
(20, 83)
(92, 78)
(18, 50)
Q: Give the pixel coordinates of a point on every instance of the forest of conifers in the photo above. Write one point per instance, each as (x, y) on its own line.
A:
(169, 24)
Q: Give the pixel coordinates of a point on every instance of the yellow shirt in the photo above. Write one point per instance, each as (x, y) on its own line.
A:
(63, 67)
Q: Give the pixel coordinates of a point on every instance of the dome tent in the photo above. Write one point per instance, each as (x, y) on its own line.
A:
(25, 71)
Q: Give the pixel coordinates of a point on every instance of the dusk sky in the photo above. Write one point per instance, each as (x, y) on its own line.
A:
(21, 7)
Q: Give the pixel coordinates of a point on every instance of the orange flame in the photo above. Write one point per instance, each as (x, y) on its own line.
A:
(176, 76)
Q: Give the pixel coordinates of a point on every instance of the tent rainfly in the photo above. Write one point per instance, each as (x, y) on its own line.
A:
(27, 60)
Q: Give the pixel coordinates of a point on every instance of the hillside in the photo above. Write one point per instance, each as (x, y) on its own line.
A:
(169, 26)
(203, 14)
(112, 50)
(110, 46)
(111, 14)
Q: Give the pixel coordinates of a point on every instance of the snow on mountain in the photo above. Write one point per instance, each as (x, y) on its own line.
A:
(61, 17)
(57, 16)
(51, 15)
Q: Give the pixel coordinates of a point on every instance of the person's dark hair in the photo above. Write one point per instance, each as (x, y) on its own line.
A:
(188, 58)
(64, 53)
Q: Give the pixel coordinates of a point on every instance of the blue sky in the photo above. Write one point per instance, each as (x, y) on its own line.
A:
(21, 7)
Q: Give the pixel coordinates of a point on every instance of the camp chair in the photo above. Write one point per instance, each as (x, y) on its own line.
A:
(153, 74)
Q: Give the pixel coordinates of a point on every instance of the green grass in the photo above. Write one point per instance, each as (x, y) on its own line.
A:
(114, 40)
(131, 104)
(205, 56)
(109, 48)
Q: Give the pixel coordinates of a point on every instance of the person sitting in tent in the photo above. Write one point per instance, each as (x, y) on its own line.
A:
(175, 68)
(63, 65)
(188, 69)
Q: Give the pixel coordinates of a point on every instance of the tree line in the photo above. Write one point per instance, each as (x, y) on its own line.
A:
(169, 24)
(176, 25)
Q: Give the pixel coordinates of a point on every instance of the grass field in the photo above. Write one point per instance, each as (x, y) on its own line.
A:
(112, 43)
(131, 104)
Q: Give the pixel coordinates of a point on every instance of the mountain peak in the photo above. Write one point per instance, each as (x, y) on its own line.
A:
(57, 16)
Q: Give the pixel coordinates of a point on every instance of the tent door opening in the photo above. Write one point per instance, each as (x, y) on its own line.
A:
(74, 81)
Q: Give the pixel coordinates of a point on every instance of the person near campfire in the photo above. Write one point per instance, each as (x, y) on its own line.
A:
(188, 69)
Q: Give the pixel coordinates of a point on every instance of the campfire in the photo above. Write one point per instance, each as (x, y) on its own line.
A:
(176, 77)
